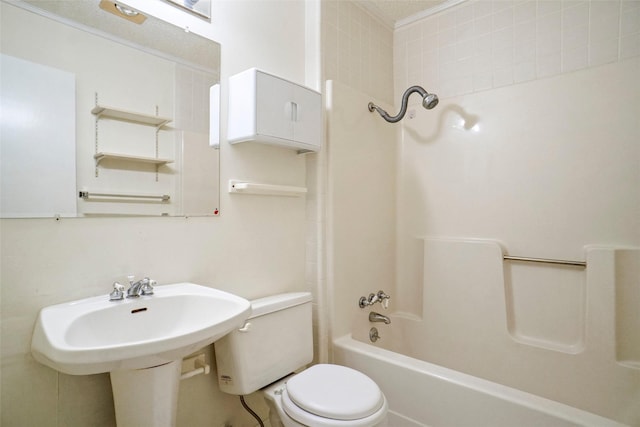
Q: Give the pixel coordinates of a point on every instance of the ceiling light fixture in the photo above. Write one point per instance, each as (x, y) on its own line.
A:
(122, 11)
(125, 10)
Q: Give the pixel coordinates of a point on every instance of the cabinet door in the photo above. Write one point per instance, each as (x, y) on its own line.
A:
(274, 107)
(307, 116)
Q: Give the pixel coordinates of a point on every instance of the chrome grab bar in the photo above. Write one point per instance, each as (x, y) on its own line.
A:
(582, 264)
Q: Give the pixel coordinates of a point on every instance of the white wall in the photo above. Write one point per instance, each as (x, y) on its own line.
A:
(256, 247)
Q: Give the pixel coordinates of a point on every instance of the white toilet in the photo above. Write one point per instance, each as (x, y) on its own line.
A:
(276, 341)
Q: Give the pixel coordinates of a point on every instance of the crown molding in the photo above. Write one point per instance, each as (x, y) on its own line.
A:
(427, 12)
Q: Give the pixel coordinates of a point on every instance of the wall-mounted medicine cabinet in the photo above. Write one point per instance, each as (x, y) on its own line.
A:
(268, 109)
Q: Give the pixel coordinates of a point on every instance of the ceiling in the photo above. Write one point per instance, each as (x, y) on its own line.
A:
(395, 12)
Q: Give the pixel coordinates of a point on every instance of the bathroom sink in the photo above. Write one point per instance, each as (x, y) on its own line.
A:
(95, 335)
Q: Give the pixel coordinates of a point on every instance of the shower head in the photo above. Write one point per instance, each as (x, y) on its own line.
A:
(429, 100)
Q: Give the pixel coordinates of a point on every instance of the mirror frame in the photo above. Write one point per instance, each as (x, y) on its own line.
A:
(201, 8)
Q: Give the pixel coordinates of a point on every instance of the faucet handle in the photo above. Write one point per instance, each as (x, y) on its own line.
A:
(147, 286)
(117, 293)
(373, 298)
(384, 299)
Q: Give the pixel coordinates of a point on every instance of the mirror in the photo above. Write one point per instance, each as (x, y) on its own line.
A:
(103, 116)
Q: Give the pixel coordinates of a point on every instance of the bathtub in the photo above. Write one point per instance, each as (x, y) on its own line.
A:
(423, 394)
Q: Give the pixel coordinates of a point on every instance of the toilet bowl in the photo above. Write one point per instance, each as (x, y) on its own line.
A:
(277, 340)
(326, 396)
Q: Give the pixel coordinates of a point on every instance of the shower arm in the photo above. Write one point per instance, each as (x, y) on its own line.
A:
(403, 108)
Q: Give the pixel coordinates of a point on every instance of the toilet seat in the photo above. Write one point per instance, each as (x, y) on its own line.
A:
(333, 395)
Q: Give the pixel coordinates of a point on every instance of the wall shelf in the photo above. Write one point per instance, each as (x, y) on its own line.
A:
(130, 116)
(126, 157)
(241, 187)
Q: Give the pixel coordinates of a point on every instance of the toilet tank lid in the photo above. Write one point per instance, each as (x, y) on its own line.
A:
(273, 303)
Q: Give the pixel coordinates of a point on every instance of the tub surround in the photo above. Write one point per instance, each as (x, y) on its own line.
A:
(502, 171)
(470, 311)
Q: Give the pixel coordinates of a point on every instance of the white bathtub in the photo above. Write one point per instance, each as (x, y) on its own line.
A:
(424, 394)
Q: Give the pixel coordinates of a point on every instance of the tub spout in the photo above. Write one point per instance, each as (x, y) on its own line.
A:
(377, 317)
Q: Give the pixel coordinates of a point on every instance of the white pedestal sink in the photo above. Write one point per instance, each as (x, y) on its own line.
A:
(140, 341)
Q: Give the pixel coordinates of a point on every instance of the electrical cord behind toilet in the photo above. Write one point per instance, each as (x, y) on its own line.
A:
(249, 410)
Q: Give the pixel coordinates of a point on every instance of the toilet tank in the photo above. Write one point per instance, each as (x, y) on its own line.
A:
(275, 341)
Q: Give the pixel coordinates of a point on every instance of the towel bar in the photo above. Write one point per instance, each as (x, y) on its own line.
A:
(582, 264)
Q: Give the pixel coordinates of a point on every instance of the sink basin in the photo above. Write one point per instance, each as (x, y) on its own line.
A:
(95, 335)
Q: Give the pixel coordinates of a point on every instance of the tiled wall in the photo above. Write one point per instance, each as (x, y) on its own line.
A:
(357, 49)
(484, 44)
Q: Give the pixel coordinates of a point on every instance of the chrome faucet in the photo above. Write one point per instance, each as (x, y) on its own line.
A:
(377, 317)
(141, 287)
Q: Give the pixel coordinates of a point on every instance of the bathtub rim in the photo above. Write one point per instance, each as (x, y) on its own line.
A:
(518, 397)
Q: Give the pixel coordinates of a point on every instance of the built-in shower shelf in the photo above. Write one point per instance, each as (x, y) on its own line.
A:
(102, 111)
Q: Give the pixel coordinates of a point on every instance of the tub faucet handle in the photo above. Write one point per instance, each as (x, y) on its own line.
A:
(373, 298)
(380, 297)
(373, 335)
(384, 299)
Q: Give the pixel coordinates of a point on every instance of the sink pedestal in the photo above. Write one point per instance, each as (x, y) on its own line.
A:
(146, 397)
